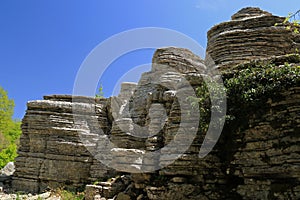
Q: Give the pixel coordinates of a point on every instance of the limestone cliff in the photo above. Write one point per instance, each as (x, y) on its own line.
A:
(256, 157)
(251, 34)
(50, 152)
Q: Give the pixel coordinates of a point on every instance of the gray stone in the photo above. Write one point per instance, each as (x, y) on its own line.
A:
(256, 159)
(251, 34)
(8, 170)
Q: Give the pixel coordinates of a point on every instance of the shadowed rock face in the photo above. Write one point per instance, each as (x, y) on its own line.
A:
(266, 161)
(251, 34)
(257, 156)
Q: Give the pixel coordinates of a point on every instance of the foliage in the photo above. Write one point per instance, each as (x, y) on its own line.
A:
(4, 142)
(69, 195)
(100, 93)
(10, 130)
(291, 22)
(203, 102)
(248, 86)
(8, 154)
(18, 197)
(252, 83)
(207, 100)
(6, 110)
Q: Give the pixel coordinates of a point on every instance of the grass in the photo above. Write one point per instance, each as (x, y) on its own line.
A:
(69, 195)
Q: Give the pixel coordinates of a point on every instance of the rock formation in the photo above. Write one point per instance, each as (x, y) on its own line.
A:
(267, 160)
(50, 152)
(251, 34)
(256, 157)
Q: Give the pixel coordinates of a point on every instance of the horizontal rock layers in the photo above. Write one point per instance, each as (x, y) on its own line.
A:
(251, 34)
(267, 160)
(51, 153)
(256, 157)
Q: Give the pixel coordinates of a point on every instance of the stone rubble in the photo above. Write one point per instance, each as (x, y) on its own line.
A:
(44, 196)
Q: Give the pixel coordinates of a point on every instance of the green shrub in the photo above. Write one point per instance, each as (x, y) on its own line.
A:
(249, 86)
(10, 130)
(261, 81)
(8, 154)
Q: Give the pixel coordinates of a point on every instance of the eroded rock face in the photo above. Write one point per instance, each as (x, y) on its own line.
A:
(256, 157)
(51, 153)
(251, 34)
(267, 160)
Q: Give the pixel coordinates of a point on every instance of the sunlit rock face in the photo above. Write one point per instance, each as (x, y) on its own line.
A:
(51, 153)
(251, 34)
(256, 157)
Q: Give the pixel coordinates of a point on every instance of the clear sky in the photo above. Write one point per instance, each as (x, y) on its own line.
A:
(44, 42)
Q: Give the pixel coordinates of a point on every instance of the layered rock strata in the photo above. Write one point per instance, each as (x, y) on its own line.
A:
(256, 157)
(267, 160)
(251, 34)
(51, 153)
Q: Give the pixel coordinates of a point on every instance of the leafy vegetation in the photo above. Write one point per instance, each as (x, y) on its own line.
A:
(10, 130)
(294, 22)
(261, 80)
(100, 93)
(291, 22)
(248, 86)
(203, 102)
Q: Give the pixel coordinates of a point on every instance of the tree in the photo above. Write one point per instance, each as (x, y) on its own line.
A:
(10, 130)
(4, 142)
(6, 110)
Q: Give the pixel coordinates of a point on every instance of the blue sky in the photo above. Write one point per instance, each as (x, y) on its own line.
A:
(44, 42)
